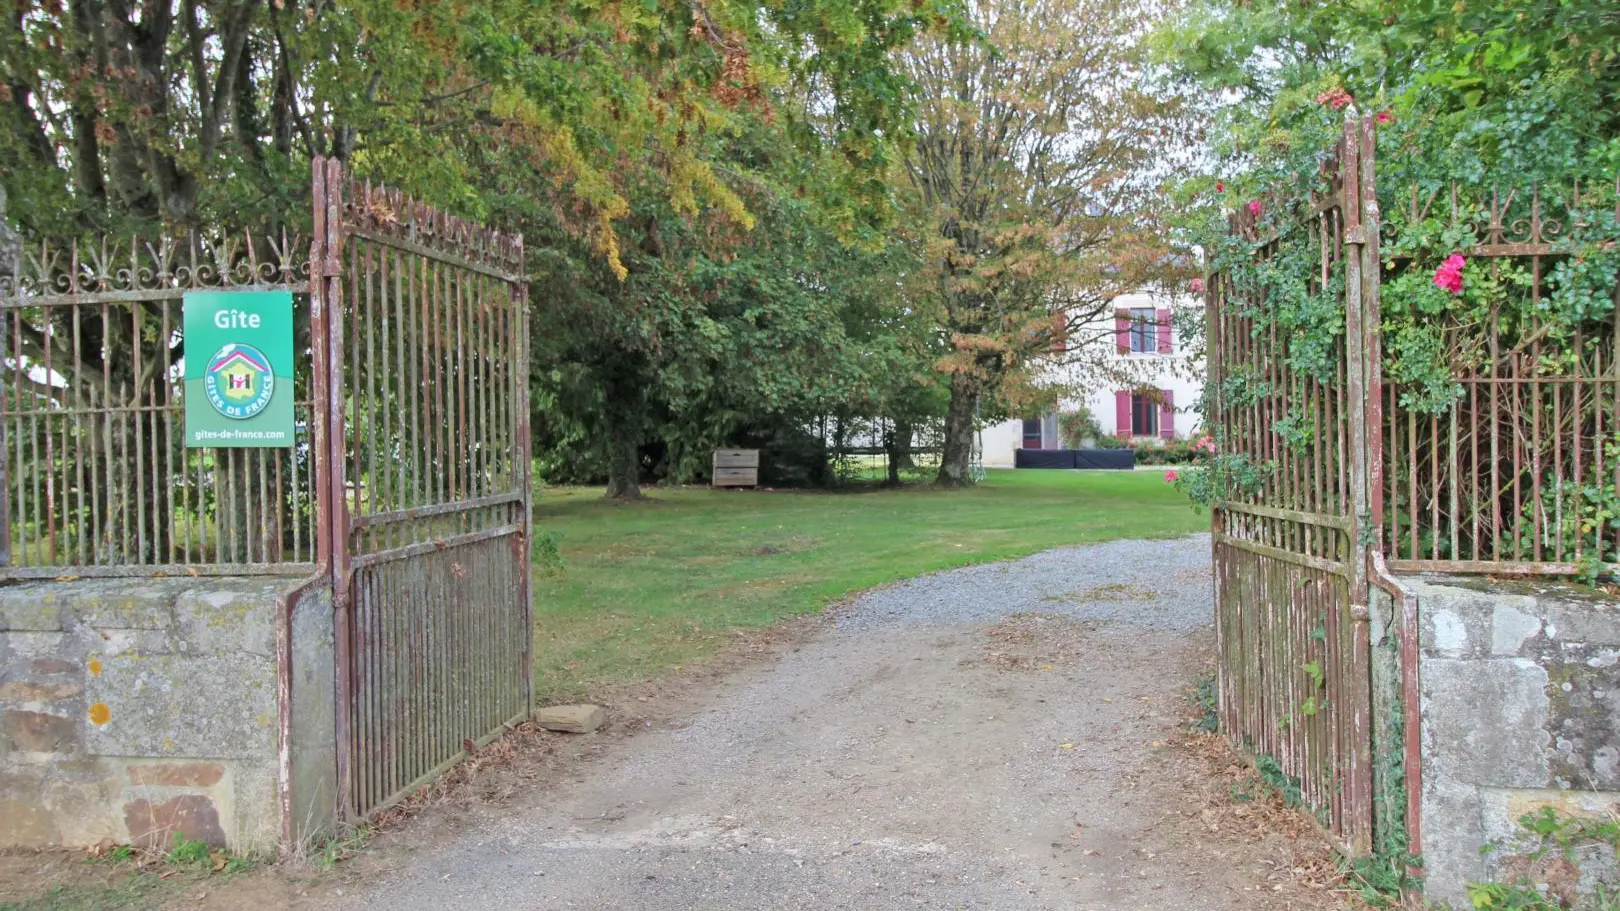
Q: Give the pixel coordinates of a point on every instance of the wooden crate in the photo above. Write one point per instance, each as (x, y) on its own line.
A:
(736, 468)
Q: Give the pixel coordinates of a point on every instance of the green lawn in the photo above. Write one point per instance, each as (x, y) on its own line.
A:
(649, 586)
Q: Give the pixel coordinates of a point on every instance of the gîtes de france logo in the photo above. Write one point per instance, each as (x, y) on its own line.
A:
(238, 381)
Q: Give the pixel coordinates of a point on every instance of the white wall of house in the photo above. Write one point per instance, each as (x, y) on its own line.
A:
(1174, 372)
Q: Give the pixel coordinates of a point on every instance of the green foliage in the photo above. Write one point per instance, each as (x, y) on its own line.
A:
(1033, 181)
(1570, 515)
(1223, 475)
(547, 554)
(1550, 841)
(1079, 427)
(340, 846)
(1204, 698)
(1313, 670)
(1286, 785)
(186, 851)
(199, 856)
(1480, 108)
(1170, 452)
(706, 190)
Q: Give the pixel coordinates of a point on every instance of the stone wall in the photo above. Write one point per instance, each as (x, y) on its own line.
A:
(135, 709)
(1521, 710)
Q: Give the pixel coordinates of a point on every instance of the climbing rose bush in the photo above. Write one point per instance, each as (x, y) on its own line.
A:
(1449, 276)
(1336, 98)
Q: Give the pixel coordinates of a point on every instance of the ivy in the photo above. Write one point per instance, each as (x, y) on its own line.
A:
(1547, 846)
(1222, 477)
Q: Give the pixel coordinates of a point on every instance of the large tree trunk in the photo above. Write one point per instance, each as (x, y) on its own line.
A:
(955, 464)
(624, 465)
(903, 435)
(891, 458)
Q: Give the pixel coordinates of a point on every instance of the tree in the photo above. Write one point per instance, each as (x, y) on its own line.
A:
(617, 138)
(714, 331)
(1037, 159)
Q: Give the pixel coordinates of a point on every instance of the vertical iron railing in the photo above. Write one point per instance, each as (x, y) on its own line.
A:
(408, 484)
(1289, 547)
(1517, 468)
(428, 336)
(96, 477)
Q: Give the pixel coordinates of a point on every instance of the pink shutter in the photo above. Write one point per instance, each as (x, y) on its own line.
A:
(1122, 415)
(1165, 340)
(1167, 415)
(1122, 331)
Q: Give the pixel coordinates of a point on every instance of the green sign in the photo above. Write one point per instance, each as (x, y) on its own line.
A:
(239, 368)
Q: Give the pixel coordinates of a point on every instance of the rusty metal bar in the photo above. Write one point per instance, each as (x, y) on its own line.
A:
(436, 550)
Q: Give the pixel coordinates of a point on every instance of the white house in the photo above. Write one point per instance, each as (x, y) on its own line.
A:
(1145, 391)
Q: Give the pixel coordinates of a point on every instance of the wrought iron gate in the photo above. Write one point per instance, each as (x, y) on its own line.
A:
(422, 327)
(1292, 541)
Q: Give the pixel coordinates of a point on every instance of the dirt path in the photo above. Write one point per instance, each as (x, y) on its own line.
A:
(988, 738)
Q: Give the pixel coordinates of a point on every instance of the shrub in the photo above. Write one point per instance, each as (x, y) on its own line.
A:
(1173, 452)
(1078, 427)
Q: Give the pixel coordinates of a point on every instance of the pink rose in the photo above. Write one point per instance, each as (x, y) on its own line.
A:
(1220, 187)
(1254, 208)
(1449, 276)
(1170, 476)
(1385, 117)
(1197, 285)
(1336, 98)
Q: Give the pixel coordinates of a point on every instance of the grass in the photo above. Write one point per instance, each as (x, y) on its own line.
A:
(139, 890)
(129, 879)
(649, 587)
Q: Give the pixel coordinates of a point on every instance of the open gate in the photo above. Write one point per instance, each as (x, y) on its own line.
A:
(1293, 540)
(421, 325)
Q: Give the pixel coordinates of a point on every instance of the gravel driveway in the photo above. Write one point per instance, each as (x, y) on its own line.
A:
(984, 738)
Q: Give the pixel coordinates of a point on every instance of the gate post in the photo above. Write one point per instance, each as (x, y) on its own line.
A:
(326, 297)
(524, 459)
(1359, 791)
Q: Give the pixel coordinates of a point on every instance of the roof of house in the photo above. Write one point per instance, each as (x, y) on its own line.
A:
(232, 355)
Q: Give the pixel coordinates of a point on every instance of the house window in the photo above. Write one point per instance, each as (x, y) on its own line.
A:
(1144, 415)
(1144, 330)
(1032, 433)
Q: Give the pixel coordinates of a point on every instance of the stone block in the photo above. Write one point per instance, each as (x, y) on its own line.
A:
(313, 782)
(83, 795)
(53, 667)
(1521, 709)
(1452, 839)
(145, 708)
(155, 824)
(27, 825)
(126, 603)
(28, 608)
(572, 719)
(38, 732)
(206, 706)
(1457, 617)
(1584, 622)
(1510, 628)
(175, 774)
(1486, 721)
(251, 808)
(19, 646)
(20, 691)
(223, 620)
